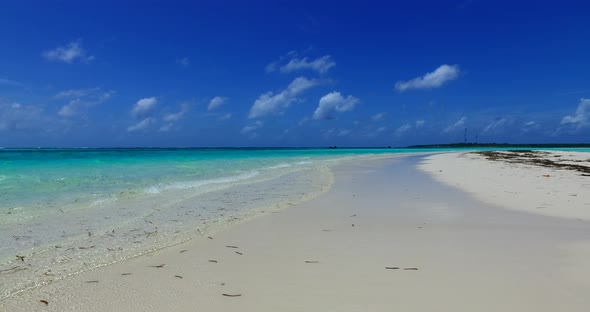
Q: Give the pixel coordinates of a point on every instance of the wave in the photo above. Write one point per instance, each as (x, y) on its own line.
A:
(279, 166)
(199, 183)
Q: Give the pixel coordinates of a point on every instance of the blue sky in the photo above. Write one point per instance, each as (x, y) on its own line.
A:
(293, 73)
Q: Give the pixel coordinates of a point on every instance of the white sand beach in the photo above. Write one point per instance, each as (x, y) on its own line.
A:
(524, 187)
(385, 237)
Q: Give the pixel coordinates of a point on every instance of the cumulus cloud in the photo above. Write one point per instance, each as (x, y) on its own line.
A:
(81, 99)
(321, 64)
(276, 103)
(143, 107)
(420, 123)
(68, 54)
(435, 79)
(457, 125)
(581, 118)
(142, 125)
(334, 102)
(216, 102)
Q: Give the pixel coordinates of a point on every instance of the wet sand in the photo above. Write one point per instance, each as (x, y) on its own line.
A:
(385, 237)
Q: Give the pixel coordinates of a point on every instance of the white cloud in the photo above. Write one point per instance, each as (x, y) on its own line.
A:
(75, 93)
(408, 126)
(184, 62)
(321, 65)
(496, 125)
(303, 121)
(223, 117)
(143, 106)
(251, 128)
(530, 126)
(174, 117)
(142, 125)
(457, 125)
(171, 118)
(68, 53)
(70, 109)
(435, 79)
(334, 102)
(403, 129)
(16, 117)
(81, 99)
(381, 129)
(216, 102)
(379, 116)
(271, 103)
(581, 118)
(291, 62)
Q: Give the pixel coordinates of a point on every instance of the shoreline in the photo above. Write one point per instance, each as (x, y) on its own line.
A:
(43, 267)
(333, 253)
(183, 218)
(551, 183)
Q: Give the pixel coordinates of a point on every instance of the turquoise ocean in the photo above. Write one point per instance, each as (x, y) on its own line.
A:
(64, 211)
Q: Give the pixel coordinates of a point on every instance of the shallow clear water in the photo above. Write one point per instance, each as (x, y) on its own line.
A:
(68, 210)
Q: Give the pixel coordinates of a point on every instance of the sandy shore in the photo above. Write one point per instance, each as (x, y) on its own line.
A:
(514, 184)
(386, 237)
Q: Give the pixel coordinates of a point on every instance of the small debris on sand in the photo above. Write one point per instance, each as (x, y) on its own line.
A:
(239, 253)
(183, 251)
(232, 246)
(214, 261)
(44, 301)
(161, 266)
(411, 269)
(178, 276)
(392, 268)
(312, 262)
(232, 295)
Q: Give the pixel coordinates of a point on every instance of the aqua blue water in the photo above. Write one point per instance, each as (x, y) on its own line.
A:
(67, 210)
(41, 179)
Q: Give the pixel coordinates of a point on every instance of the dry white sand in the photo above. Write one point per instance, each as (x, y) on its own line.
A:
(469, 256)
(529, 188)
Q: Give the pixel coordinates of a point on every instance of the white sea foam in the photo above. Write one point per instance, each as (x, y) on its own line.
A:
(156, 189)
(279, 166)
